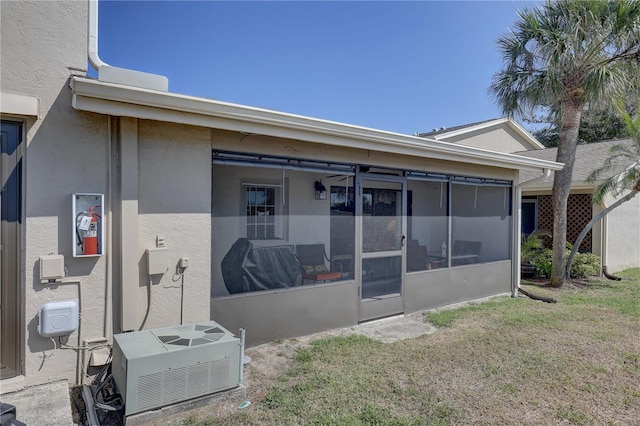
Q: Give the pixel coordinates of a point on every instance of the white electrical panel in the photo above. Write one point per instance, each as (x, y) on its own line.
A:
(88, 225)
(58, 318)
(157, 260)
(51, 268)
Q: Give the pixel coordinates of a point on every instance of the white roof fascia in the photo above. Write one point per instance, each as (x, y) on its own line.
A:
(505, 120)
(525, 134)
(469, 129)
(117, 100)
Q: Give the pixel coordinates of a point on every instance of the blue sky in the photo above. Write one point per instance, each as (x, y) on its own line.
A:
(399, 66)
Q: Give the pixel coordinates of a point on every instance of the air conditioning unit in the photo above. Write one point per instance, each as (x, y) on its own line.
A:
(156, 368)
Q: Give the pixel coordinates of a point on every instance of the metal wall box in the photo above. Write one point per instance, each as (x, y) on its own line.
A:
(51, 268)
(157, 259)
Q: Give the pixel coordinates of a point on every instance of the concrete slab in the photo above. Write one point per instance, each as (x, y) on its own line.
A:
(42, 405)
(388, 329)
(398, 327)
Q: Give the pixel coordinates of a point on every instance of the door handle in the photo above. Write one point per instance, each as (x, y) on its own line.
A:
(402, 240)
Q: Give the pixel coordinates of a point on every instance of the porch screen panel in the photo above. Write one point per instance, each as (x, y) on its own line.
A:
(481, 222)
(427, 224)
(270, 233)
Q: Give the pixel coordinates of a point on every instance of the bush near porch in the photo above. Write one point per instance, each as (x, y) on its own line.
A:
(584, 264)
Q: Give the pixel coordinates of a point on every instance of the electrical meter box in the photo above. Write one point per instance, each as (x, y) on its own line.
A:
(88, 225)
(51, 268)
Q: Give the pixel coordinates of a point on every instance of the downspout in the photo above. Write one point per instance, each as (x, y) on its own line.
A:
(92, 39)
(515, 279)
(116, 75)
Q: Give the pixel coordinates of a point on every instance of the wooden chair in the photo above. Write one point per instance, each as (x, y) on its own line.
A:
(313, 261)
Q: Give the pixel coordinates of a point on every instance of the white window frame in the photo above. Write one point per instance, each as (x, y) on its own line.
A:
(278, 205)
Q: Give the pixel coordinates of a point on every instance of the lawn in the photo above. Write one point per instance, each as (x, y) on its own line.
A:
(506, 361)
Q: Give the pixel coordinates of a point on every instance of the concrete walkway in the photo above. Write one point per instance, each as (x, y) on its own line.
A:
(42, 405)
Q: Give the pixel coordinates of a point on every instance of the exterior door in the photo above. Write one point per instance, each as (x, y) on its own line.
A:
(382, 236)
(529, 215)
(10, 287)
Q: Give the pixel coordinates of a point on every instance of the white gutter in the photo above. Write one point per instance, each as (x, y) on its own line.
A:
(110, 74)
(518, 227)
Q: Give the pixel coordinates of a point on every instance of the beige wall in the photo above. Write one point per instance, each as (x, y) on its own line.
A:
(622, 229)
(42, 44)
(175, 201)
(502, 139)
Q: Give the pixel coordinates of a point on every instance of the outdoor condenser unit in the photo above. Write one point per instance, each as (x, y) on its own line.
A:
(156, 368)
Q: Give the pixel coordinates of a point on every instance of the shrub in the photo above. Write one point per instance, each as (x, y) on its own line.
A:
(584, 264)
(532, 244)
(542, 262)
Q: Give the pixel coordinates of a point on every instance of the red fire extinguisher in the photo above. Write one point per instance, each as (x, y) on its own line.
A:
(90, 240)
(87, 230)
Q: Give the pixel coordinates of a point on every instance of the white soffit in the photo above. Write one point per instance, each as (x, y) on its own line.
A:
(117, 100)
(20, 105)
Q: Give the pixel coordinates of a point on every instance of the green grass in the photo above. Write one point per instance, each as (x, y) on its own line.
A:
(505, 361)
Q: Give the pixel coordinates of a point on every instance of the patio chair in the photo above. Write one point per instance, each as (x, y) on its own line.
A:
(418, 259)
(313, 261)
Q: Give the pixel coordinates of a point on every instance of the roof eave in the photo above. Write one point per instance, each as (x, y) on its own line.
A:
(117, 100)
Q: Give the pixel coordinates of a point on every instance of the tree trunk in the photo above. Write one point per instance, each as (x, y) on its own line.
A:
(589, 225)
(571, 113)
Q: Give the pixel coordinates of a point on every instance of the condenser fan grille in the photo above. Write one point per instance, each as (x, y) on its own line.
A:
(191, 335)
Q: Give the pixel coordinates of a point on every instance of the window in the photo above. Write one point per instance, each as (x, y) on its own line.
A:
(261, 212)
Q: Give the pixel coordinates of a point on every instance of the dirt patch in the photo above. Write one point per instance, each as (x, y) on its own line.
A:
(268, 362)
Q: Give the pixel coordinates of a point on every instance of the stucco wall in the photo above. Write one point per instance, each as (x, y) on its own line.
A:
(42, 44)
(622, 236)
(502, 139)
(174, 186)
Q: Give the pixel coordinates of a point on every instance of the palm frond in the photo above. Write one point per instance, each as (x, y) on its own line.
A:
(572, 49)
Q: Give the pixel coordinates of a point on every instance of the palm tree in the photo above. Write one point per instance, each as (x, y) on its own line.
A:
(562, 56)
(628, 180)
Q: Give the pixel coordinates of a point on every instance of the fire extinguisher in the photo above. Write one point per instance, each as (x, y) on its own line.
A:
(87, 230)
(90, 240)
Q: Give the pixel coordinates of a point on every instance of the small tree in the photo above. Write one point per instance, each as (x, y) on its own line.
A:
(628, 180)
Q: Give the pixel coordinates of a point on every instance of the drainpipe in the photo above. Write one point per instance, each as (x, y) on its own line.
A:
(92, 40)
(110, 74)
(515, 279)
